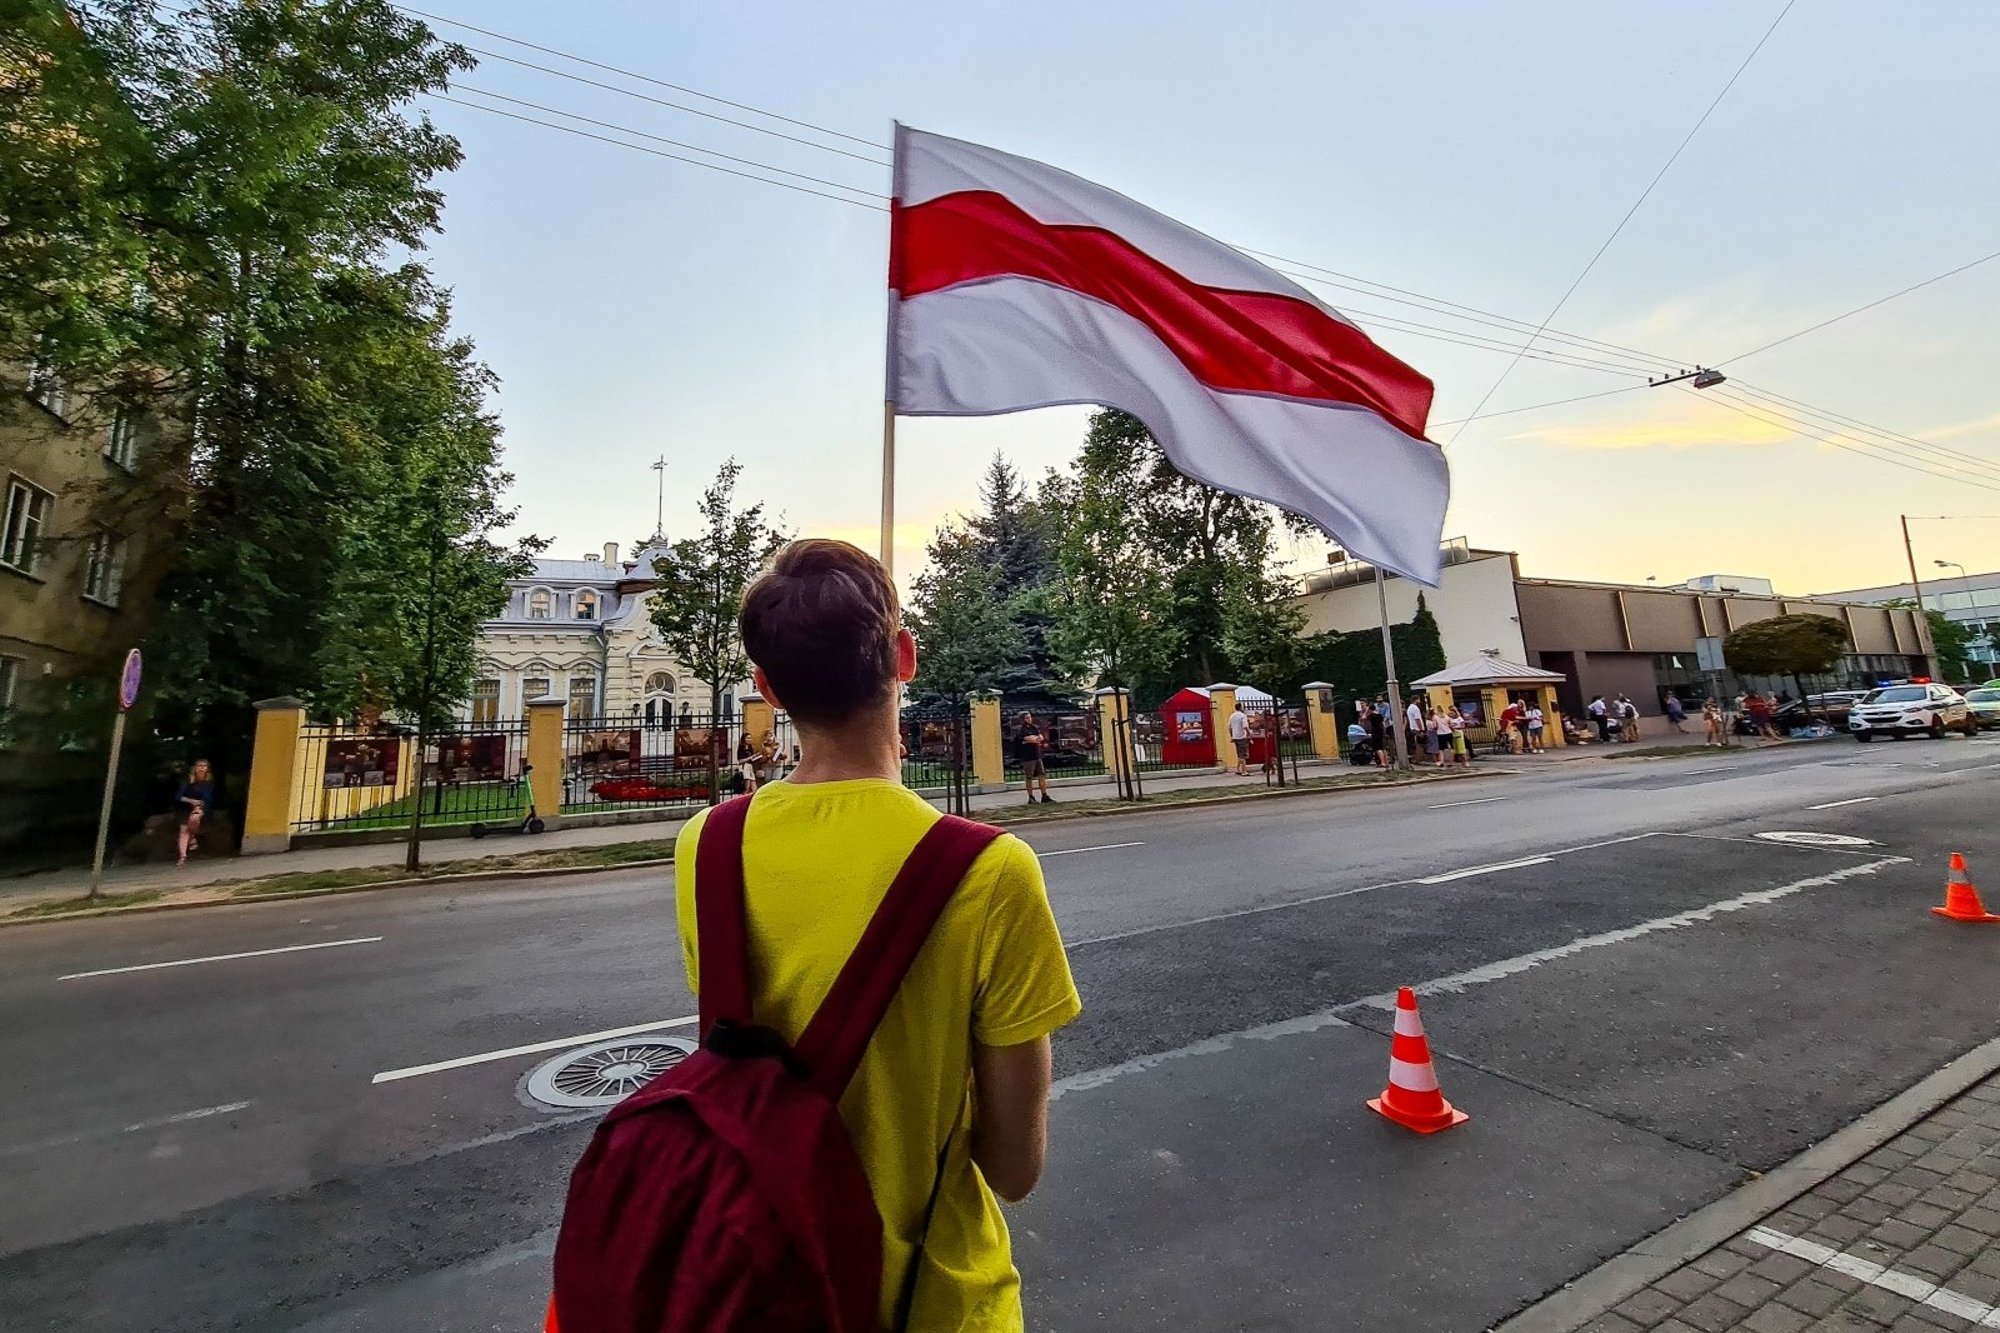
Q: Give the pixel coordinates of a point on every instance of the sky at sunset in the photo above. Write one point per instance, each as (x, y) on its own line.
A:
(1478, 154)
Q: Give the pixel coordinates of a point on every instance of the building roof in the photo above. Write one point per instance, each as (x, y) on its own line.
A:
(1487, 670)
(581, 571)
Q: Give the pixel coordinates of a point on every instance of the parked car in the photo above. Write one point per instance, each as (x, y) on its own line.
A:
(1904, 710)
(1985, 705)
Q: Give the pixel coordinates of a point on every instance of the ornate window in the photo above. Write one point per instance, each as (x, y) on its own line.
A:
(541, 603)
(586, 605)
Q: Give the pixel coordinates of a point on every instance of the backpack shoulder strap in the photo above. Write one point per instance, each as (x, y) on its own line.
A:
(722, 932)
(836, 1039)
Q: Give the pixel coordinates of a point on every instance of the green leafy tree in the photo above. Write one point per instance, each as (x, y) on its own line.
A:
(698, 590)
(967, 638)
(1217, 547)
(284, 167)
(1112, 601)
(1014, 537)
(1796, 646)
(75, 164)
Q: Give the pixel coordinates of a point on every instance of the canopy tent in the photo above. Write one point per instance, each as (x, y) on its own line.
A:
(1487, 669)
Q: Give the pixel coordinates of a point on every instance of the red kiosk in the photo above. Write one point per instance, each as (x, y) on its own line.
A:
(1189, 731)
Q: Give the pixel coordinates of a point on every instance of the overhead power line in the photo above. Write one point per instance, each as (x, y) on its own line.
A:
(643, 78)
(1910, 441)
(1883, 300)
(657, 138)
(1580, 352)
(675, 106)
(1643, 196)
(1837, 442)
(1334, 278)
(655, 152)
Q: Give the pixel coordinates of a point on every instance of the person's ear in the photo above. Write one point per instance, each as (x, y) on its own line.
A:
(906, 656)
(763, 684)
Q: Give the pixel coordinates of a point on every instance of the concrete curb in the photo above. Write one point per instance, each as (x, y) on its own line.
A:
(521, 873)
(551, 872)
(1578, 1302)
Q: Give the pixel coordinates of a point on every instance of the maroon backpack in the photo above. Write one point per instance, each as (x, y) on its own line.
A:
(725, 1195)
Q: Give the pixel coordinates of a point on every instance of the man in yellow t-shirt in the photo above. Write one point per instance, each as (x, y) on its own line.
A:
(961, 1062)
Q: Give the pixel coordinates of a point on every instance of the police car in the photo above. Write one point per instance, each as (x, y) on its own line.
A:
(1904, 710)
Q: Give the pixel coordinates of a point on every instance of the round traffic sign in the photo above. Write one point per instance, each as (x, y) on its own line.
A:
(128, 682)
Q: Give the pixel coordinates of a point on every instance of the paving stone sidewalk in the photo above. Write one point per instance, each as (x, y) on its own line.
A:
(1906, 1239)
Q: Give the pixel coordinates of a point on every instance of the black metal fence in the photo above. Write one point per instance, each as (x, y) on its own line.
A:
(622, 763)
(1072, 746)
(937, 753)
(363, 780)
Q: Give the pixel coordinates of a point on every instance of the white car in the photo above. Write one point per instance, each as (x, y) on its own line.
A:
(1904, 710)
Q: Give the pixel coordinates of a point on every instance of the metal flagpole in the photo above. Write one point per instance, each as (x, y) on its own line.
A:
(889, 486)
(1396, 718)
(889, 364)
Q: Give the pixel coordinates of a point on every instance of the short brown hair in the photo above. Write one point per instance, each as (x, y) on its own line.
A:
(821, 621)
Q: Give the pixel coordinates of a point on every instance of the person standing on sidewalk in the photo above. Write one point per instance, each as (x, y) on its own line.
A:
(948, 1111)
(1534, 724)
(1510, 721)
(1675, 714)
(1381, 732)
(1711, 719)
(1029, 744)
(1628, 716)
(1440, 736)
(1601, 715)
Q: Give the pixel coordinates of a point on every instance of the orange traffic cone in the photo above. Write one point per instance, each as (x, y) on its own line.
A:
(1412, 1098)
(1961, 900)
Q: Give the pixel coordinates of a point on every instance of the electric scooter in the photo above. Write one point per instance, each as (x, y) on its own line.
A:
(530, 822)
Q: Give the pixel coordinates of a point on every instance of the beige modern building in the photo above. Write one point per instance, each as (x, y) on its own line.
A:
(1607, 638)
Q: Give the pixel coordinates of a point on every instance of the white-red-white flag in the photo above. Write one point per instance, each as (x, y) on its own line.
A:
(1015, 285)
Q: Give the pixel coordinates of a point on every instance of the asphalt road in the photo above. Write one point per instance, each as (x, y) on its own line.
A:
(1637, 999)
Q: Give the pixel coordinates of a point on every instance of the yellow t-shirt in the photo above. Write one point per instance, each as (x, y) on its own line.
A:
(817, 859)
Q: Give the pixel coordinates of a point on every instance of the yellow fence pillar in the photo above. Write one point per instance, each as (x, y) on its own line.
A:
(1221, 703)
(545, 757)
(274, 764)
(1552, 718)
(1321, 721)
(989, 753)
(1114, 731)
(759, 718)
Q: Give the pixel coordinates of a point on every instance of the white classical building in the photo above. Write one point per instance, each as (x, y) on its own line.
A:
(582, 630)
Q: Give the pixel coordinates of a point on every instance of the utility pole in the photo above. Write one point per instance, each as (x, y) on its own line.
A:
(1396, 719)
(1910, 554)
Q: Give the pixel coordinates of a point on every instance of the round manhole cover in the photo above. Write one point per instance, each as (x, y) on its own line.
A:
(605, 1073)
(1817, 839)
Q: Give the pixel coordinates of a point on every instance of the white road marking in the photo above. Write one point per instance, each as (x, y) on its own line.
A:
(1451, 875)
(185, 1116)
(1911, 1286)
(1317, 898)
(487, 1057)
(1453, 805)
(1831, 805)
(1326, 1018)
(1077, 851)
(43, 1145)
(219, 958)
(1507, 967)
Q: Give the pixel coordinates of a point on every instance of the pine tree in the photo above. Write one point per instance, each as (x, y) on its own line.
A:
(1013, 536)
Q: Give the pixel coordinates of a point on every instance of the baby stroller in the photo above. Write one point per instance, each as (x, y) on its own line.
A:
(1361, 754)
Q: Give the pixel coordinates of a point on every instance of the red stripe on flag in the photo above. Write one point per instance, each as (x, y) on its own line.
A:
(1235, 341)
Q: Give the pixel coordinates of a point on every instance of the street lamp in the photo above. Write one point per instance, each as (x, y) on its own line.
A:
(1951, 564)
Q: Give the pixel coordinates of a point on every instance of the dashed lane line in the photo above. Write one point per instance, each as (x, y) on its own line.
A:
(533, 1048)
(220, 958)
(1835, 805)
